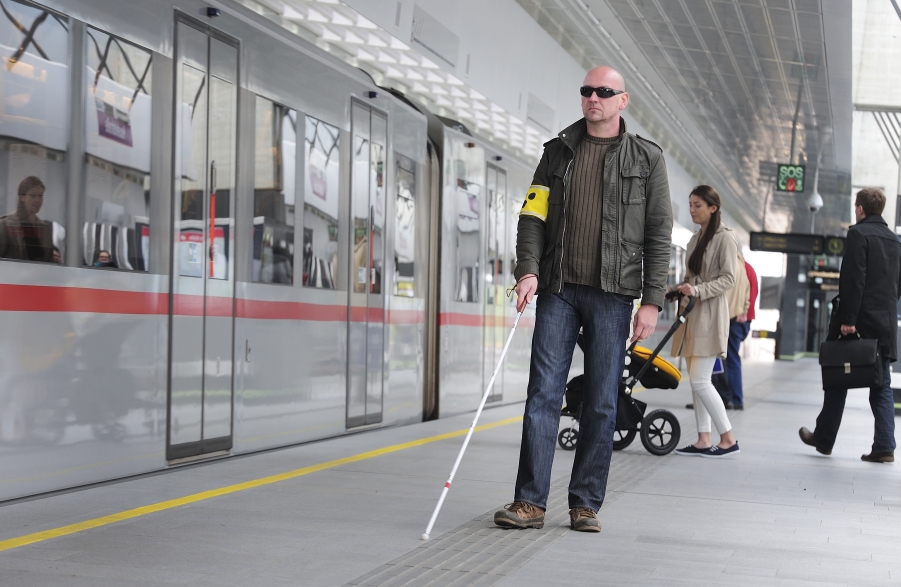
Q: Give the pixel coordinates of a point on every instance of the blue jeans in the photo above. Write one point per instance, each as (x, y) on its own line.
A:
(882, 403)
(605, 317)
(738, 332)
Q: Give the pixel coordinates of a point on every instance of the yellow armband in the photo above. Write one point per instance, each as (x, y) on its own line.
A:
(536, 202)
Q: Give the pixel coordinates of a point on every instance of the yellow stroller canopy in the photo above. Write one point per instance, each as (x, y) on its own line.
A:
(660, 375)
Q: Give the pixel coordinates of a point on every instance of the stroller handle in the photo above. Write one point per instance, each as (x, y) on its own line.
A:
(675, 294)
(671, 296)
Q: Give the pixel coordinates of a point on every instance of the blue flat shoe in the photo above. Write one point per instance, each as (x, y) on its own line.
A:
(715, 452)
(691, 451)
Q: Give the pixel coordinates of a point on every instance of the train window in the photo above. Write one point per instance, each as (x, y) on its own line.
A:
(34, 132)
(496, 183)
(320, 207)
(469, 233)
(116, 232)
(273, 192)
(404, 232)
(513, 207)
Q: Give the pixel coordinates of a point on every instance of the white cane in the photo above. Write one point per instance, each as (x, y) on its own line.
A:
(472, 428)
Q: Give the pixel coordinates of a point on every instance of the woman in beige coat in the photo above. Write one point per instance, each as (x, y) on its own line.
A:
(710, 272)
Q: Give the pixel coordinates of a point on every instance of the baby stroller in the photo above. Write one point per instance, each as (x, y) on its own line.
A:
(660, 431)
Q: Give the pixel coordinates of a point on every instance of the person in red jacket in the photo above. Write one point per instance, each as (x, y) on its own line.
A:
(739, 327)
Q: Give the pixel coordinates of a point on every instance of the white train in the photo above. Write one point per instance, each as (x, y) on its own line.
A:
(239, 243)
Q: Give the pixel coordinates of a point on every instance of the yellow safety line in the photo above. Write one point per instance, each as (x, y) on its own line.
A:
(174, 503)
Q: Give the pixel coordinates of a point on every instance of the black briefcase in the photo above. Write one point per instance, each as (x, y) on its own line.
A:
(848, 363)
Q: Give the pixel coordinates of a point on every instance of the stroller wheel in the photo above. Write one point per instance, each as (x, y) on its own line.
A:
(623, 438)
(660, 432)
(568, 438)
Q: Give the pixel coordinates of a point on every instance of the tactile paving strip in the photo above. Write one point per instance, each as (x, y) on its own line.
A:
(480, 553)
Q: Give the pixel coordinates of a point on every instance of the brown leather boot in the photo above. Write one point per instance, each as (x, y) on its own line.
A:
(807, 438)
(520, 514)
(879, 456)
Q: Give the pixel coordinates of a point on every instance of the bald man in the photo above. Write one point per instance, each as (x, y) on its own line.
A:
(593, 236)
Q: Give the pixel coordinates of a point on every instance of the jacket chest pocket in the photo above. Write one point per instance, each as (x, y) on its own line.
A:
(635, 181)
(555, 204)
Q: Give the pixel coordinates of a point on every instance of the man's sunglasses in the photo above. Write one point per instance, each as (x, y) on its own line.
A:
(586, 92)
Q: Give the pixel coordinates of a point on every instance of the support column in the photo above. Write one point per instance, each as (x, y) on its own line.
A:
(793, 311)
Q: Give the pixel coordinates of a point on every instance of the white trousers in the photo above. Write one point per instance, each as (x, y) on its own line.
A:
(707, 401)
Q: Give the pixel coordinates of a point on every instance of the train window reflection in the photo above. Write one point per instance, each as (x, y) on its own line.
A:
(34, 132)
(116, 230)
(404, 232)
(320, 218)
(513, 207)
(274, 193)
(469, 235)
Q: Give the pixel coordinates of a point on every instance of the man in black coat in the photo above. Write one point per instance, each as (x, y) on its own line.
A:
(869, 289)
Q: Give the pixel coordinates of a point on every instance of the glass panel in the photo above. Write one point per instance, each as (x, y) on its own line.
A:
(116, 230)
(376, 303)
(188, 287)
(468, 235)
(193, 112)
(34, 133)
(359, 335)
(377, 170)
(273, 192)
(493, 238)
(320, 219)
(493, 285)
(513, 207)
(218, 328)
(500, 221)
(223, 102)
(404, 231)
(360, 202)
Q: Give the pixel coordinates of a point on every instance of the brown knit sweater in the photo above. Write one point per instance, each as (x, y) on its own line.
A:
(582, 241)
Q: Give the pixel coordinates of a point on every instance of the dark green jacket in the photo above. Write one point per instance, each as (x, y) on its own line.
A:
(637, 222)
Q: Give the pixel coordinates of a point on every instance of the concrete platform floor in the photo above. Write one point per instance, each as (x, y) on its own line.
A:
(777, 514)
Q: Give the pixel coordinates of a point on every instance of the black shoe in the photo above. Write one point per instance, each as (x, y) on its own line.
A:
(689, 406)
(729, 405)
(738, 407)
(691, 451)
(807, 438)
(879, 456)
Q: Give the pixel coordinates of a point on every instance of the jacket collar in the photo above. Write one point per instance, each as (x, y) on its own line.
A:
(875, 219)
(572, 135)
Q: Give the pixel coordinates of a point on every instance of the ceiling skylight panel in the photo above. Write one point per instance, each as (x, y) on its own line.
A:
(407, 59)
(351, 37)
(396, 43)
(316, 16)
(365, 23)
(340, 20)
(385, 57)
(376, 41)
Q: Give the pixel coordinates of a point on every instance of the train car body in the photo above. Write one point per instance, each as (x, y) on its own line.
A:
(293, 254)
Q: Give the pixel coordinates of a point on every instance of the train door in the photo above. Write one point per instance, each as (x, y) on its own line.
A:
(366, 326)
(203, 282)
(496, 182)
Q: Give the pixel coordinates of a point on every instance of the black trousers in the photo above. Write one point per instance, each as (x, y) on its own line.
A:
(881, 403)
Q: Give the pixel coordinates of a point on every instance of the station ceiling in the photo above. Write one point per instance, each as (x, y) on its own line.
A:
(727, 87)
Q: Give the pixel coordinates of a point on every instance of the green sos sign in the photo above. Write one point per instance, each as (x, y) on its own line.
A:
(790, 178)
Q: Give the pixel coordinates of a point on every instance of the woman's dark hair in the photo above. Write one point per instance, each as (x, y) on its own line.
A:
(709, 195)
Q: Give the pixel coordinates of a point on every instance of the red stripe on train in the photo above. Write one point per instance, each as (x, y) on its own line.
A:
(46, 298)
(43, 298)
